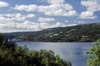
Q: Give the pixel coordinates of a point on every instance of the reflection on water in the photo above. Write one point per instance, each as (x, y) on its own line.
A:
(72, 51)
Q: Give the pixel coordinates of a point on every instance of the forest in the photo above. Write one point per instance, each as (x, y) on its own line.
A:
(79, 33)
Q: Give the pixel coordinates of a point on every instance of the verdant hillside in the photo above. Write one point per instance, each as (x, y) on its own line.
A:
(15, 34)
(86, 32)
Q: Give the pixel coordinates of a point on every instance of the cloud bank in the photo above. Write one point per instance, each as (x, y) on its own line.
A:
(56, 8)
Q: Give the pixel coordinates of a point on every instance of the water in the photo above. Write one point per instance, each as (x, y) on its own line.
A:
(72, 51)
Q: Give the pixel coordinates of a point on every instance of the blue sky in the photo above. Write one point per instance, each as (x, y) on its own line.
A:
(36, 15)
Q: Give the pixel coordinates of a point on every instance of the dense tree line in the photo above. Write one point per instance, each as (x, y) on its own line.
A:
(13, 55)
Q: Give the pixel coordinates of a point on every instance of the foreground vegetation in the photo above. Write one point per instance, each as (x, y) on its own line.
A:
(95, 54)
(13, 55)
(79, 33)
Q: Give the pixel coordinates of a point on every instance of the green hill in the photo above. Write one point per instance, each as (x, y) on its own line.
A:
(15, 34)
(85, 32)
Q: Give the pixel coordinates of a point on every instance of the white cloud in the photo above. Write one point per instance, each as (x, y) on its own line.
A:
(9, 25)
(30, 15)
(4, 20)
(87, 15)
(71, 24)
(26, 7)
(41, 19)
(67, 6)
(9, 15)
(55, 1)
(79, 21)
(71, 13)
(18, 16)
(61, 12)
(66, 20)
(56, 9)
(92, 5)
(3, 4)
(58, 24)
(27, 26)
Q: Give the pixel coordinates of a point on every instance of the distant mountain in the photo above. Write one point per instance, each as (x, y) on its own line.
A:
(85, 33)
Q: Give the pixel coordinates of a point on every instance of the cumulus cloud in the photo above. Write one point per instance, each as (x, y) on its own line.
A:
(55, 1)
(3, 4)
(8, 15)
(26, 7)
(30, 15)
(41, 19)
(71, 25)
(58, 24)
(4, 20)
(8, 25)
(87, 15)
(92, 5)
(27, 26)
(56, 9)
(18, 16)
(61, 12)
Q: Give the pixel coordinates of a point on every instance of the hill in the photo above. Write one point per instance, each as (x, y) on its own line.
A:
(15, 34)
(79, 33)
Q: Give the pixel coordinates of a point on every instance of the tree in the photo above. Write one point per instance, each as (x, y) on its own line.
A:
(1, 38)
(95, 54)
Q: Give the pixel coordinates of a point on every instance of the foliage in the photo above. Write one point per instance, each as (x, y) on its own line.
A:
(95, 54)
(1, 39)
(13, 55)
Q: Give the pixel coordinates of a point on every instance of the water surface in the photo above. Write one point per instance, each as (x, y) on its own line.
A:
(72, 51)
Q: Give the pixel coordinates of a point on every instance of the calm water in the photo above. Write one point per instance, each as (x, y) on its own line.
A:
(72, 51)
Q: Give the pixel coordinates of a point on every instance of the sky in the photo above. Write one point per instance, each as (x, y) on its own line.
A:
(36, 15)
